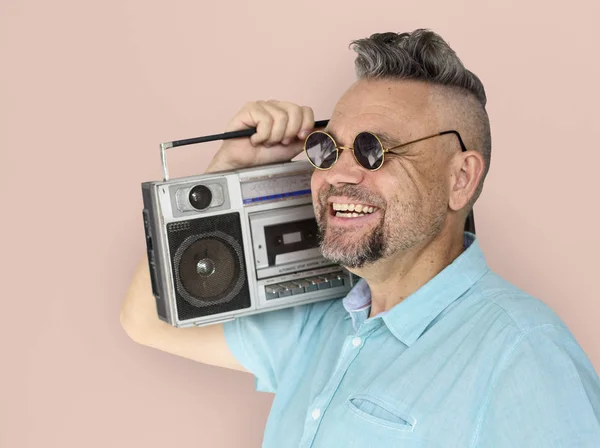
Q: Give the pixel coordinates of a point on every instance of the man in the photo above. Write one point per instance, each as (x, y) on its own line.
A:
(431, 348)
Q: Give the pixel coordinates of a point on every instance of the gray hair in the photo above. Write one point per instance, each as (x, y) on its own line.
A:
(424, 56)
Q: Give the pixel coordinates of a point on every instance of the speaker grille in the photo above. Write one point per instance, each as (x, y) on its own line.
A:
(207, 259)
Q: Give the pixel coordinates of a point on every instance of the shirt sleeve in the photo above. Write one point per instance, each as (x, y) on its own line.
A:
(265, 343)
(545, 394)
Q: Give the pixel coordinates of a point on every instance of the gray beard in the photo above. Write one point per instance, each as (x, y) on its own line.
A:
(336, 247)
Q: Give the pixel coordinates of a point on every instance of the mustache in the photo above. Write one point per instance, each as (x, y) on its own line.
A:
(354, 192)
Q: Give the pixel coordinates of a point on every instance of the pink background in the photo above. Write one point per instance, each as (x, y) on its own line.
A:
(88, 90)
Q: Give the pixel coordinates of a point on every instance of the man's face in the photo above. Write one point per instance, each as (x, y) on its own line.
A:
(406, 200)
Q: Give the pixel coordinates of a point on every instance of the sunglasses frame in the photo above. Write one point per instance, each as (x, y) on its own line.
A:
(384, 149)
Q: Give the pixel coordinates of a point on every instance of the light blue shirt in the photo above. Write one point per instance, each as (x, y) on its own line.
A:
(468, 360)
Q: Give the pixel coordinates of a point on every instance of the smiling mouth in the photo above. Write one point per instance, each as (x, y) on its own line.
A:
(348, 210)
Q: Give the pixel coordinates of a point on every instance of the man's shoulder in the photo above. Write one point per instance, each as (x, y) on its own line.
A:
(516, 307)
(325, 312)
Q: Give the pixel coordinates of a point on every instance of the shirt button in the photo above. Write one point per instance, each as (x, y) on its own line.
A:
(356, 342)
(316, 413)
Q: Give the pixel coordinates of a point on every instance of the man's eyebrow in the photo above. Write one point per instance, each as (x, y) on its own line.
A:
(329, 131)
(386, 139)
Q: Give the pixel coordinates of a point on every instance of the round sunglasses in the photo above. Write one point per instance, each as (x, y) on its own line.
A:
(322, 151)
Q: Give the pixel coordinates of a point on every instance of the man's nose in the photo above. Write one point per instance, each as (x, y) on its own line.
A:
(346, 170)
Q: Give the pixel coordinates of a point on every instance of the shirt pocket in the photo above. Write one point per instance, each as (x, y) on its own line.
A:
(380, 412)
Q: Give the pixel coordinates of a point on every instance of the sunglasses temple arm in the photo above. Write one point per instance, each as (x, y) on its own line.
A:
(460, 140)
(470, 223)
(226, 136)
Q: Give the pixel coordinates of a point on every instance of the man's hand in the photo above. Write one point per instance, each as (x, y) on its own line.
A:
(281, 128)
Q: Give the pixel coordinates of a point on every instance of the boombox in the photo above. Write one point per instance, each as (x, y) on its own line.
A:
(229, 244)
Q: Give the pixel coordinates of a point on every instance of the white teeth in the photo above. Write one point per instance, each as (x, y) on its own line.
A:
(349, 215)
(358, 208)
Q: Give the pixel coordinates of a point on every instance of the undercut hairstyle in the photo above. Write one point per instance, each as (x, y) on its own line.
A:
(424, 56)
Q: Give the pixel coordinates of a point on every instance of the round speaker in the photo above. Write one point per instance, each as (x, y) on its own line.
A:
(209, 269)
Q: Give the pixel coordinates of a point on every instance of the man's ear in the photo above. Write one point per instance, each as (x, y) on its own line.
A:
(467, 170)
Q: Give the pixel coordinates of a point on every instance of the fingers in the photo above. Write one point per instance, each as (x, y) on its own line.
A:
(300, 121)
(308, 122)
(276, 122)
(281, 118)
(264, 121)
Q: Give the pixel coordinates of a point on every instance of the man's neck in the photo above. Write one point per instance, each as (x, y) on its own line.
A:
(393, 279)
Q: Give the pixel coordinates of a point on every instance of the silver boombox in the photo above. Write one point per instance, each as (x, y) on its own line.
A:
(230, 244)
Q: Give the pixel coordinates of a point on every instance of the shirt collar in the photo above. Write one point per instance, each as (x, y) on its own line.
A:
(409, 319)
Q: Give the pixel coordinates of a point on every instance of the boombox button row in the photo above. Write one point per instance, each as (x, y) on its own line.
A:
(309, 284)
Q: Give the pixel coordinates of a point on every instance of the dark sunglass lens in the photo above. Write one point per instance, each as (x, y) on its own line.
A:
(321, 150)
(368, 150)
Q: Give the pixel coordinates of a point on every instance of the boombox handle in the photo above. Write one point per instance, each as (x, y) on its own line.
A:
(211, 138)
(163, 159)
